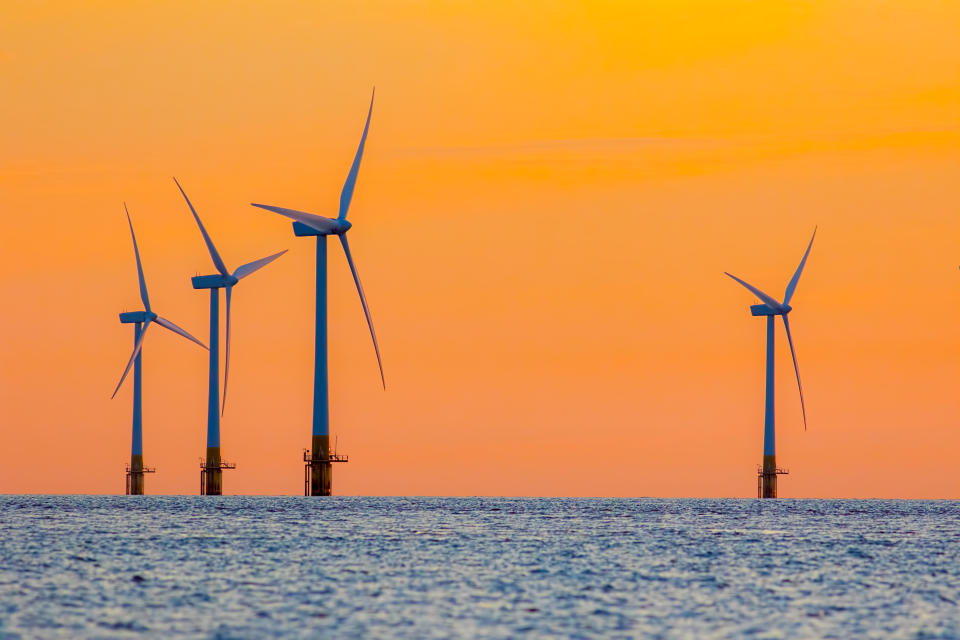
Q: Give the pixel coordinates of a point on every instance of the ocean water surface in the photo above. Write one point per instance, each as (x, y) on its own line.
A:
(255, 567)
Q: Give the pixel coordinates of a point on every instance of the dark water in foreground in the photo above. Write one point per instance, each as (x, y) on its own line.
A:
(446, 567)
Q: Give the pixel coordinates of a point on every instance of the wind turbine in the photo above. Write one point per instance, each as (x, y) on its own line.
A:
(318, 468)
(767, 478)
(141, 321)
(211, 471)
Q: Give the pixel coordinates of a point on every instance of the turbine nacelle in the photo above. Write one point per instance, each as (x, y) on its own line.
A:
(766, 310)
(310, 224)
(214, 281)
(130, 317)
(302, 230)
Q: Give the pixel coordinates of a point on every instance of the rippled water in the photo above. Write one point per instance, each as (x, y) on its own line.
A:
(254, 567)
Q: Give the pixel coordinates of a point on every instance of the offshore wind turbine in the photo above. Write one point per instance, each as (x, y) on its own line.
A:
(141, 321)
(211, 476)
(318, 469)
(767, 475)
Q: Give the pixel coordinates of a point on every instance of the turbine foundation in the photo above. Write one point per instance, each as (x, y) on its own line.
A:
(135, 471)
(211, 473)
(318, 467)
(767, 477)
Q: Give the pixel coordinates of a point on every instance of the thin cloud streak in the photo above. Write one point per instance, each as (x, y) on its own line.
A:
(563, 144)
(785, 140)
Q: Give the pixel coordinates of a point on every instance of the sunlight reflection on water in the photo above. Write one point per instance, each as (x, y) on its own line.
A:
(78, 566)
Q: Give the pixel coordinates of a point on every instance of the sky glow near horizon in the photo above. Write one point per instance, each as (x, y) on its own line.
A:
(548, 199)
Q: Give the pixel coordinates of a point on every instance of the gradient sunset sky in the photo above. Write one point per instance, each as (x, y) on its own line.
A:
(549, 196)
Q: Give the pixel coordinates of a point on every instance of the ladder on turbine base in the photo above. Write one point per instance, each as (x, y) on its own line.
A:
(761, 475)
(310, 464)
(131, 473)
(204, 468)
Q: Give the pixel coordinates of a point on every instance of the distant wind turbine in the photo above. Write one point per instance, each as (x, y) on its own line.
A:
(211, 483)
(771, 308)
(141, 321)
(320, 480)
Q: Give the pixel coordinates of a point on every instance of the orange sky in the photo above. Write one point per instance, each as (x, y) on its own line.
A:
(549, 196)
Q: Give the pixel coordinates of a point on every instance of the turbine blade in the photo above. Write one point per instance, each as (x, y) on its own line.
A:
(796, 368)
(244, 270)
(136, 252)
(163, 322)
(312, 220)
(133, 356)
(796, 276)
(363, 301)
(217, 260)
(226, 363)
(767, 300)
(347, 194)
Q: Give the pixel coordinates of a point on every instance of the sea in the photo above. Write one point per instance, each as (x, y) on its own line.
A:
(353, 567)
